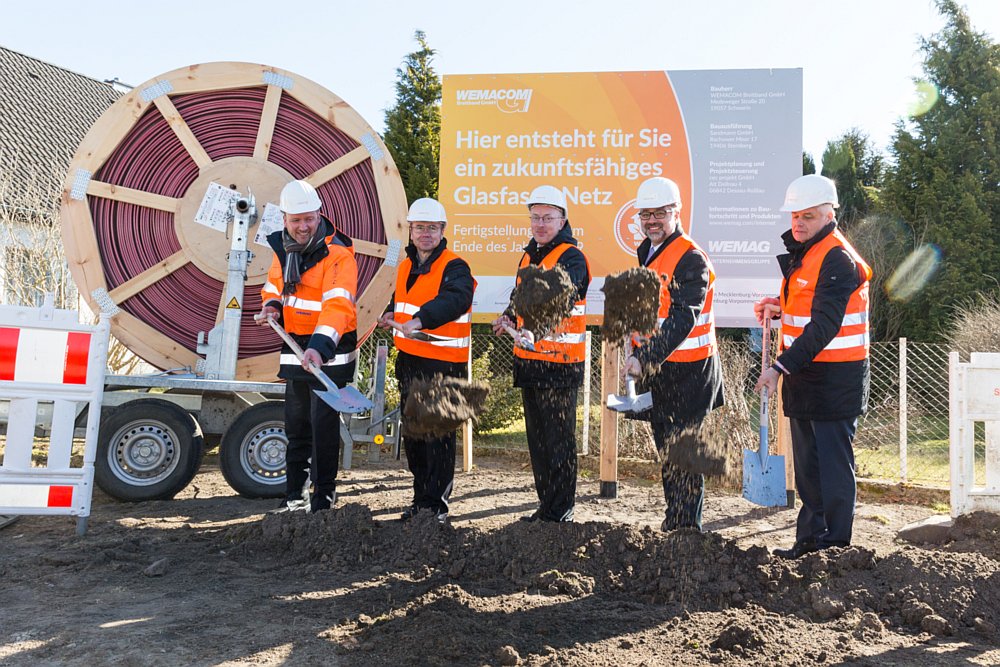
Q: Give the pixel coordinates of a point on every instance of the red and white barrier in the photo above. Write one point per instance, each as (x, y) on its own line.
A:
(974, 396)
(48, 358)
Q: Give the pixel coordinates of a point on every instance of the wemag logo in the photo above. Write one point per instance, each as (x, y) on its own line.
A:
(509, 100)
(628, 231)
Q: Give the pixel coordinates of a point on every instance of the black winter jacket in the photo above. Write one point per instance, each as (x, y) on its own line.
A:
(815, 390)
(551, 374)
(683, 391)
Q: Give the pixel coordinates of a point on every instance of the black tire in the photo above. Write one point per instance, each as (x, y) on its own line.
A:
(252, 452)
(147, 449)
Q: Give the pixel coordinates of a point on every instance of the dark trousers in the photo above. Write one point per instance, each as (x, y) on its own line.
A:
(824, 479)
(432, 461)
(313, 431)
(550, 424)
(683, 492)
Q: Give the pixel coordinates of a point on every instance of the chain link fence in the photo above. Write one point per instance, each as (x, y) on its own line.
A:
(891, 445)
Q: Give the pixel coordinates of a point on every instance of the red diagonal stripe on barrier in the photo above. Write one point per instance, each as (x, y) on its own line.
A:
(77, 353)
(60, 496)
(8, 352)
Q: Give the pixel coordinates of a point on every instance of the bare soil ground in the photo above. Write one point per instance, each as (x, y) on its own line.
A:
(208, 578)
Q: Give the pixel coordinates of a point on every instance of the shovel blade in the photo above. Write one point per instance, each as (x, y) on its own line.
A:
(348, 400)
(764, 479)
(625, 404)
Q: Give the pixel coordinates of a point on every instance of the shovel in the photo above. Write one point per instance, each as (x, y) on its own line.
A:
(764, 475)
(630, 402)
(415, 335)
(348, 399)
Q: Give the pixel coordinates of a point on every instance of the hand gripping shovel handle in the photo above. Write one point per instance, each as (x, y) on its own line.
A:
(415, 335)
(765, 361)
(519, 338)
(299, 354)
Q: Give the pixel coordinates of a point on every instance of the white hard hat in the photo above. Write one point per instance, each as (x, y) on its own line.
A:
(549, 195)
(426, 209)
(656, 192)
(808, 191)
(299, 197)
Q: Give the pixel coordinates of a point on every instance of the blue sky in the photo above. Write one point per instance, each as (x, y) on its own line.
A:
(858, 56)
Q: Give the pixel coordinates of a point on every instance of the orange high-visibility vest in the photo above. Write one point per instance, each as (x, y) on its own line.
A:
(452, 339)
(569, 339)
(323, 303)
(851, 342)
(700, 342)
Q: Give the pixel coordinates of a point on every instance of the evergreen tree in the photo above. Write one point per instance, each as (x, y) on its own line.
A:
(947, 166)
(857, 170)
(808, 164)
(413, 124)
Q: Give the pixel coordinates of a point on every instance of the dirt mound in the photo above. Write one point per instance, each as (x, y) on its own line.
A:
(700, 571)
(438, 405)
(631, 302)
(543, 298)
(978, 532)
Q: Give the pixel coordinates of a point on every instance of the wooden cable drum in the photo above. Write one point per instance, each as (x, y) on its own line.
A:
(140, 174)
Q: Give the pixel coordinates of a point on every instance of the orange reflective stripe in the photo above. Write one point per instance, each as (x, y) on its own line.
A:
(457, 334)
(700, 342)
(852, 340)
(567, 343)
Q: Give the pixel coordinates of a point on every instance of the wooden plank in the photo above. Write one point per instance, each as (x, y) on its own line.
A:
(183, 132)
(82, 252)
(337, 167)
(610, 366)
(783, 447)
(215, 76)
(152, 345)
(372, 303)
(131, 196)
(268, 116)
(151, 275)
(369, 248)
(467, 428)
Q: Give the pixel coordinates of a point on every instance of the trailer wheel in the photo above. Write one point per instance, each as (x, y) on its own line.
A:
(252, 453)
(148, 449)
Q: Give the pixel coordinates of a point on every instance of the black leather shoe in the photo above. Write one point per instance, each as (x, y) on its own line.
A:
(797, 550)
(409, 513)
(529, 518)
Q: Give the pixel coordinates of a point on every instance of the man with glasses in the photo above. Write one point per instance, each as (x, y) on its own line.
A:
(688, 383)
(434, 289)
(311, 287)
(550, 376)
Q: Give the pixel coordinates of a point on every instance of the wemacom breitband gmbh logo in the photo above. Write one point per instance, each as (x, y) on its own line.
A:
(508, 100)
(628, 231)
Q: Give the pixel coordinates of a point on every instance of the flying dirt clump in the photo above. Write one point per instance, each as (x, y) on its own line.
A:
(631, 302)
(438, 405)
(543, 298)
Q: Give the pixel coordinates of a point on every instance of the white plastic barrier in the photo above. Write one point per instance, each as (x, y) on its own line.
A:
(47, 357)
(974, 396)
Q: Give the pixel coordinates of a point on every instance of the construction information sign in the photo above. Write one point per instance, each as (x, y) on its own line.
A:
(731, 139)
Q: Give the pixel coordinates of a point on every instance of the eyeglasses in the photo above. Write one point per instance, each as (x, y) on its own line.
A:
(426, 229)
(547, 219)
(659, 214)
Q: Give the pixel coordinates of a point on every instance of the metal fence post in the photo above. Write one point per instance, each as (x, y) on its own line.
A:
(902, 410)
(585, 436)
